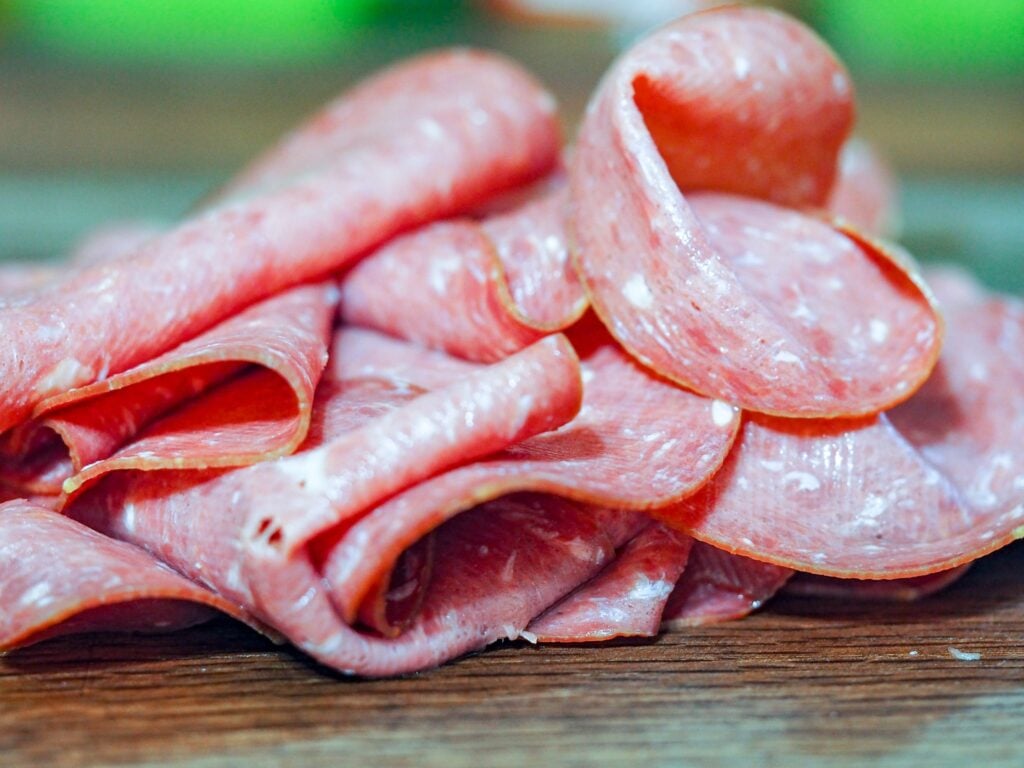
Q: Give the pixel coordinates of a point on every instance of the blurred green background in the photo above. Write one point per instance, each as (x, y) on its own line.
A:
(113, 109)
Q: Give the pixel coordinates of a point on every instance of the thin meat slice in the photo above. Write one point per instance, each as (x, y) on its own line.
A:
(864, 193)
(626, 599)
(77, 436)
(724, 293)
(637, 443)
(420, 150)
(509, 279)
(59, 577)
(929, 486)
(898, 590)
(717, 586)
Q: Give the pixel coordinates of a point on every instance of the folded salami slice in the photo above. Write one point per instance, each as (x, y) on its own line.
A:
(737, 299)
(637, 443)
(717, 586)
(934, 484)
(626, 599)
(898, 590)
(410, 148)
(509, 277)
(59, 577)
(76, 436)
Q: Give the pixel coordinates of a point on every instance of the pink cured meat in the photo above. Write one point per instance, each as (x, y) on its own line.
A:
(59, 577)
(717, 586)
(211, 524)
(261, 415)
(864, 193)
(410, 148)
(700, 287)
(637, 443)
(899, 590)
(929, 486)
(509, 277)
(626, 599)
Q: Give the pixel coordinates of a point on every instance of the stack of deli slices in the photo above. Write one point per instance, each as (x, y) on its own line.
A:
(420, 379)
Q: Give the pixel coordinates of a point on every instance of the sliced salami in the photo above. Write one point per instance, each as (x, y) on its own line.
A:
(510, 278)
(59, 577)
(889, 590)
(261, 415)
(864, 193)
(420, 150)
(721, 293)
(626, 599)
(717, 586)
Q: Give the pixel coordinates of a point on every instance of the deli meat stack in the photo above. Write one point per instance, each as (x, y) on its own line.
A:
(422, 378)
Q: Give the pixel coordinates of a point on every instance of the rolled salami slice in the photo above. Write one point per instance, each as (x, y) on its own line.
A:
(478, 290)
(403, 149)
(59, 577)
(723, 293)
(78, 435)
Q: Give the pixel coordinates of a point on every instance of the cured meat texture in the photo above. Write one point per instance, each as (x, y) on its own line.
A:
(740, 300)
(263, 413)
(478, 290)
(404, 149)
(60, 577)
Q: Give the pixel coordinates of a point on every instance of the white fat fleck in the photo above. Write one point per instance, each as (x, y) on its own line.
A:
(874, 507)
(722, 413)
(959, 655)
(128, 520)
(508, 571)
(802, 312)
(646, 589)
(771, 466)
(39, 595)
(430, 128)
(819, 557)
(236, 497)
(978, 371)
(804, 481)
(741, 67)
(309, 470)
(784, 356)
(839, 83)
(747, 542)
(65, 375)
(637, 293)
(834, 284)
(879, 330)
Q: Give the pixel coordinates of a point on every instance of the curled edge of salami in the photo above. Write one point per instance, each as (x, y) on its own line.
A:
(717, 586)
(700, 287)
(864, 193)
(510, 276)
(59, 577)
(120, 422)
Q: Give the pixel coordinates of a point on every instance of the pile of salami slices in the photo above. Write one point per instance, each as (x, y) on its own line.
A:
(423, 377)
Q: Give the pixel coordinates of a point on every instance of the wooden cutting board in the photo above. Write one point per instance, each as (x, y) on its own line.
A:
(802, 682)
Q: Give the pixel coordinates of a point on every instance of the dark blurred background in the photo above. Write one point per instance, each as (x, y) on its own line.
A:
(115, 109)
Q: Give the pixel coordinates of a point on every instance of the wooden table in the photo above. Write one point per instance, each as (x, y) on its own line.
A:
(802, 682)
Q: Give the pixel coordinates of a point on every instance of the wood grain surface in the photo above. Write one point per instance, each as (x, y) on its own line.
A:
(801, 683)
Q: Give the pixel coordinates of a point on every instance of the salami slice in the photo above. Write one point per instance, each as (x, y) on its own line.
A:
(721, 293)
(626, 599)
(420, 150)
(637, 443)
(509, 276)
(262, 415)
(934, 484)
(898, 590)
(717, 586)
(59, 577)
